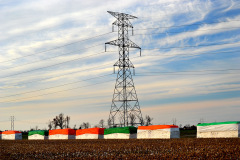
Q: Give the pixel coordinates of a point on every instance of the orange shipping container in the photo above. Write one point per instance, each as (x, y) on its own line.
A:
(90, 131)
(10, 132)
(154, 127)
(67, 131)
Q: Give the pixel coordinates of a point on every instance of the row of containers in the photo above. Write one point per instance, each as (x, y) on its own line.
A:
(230, 129)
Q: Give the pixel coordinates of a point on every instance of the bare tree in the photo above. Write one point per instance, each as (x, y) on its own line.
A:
(180, 126)
(61, 121)
(148, 120)
(84, 125)
(55, 123)
(141, 120)
(120, 122)
(75, 126)
(174, 120)
(36, 128)
(101, 123)
(132, 119)
(109, 122)
(67, 120)
(50, 125)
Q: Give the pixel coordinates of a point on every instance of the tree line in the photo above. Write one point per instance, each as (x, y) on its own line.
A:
(61, 121)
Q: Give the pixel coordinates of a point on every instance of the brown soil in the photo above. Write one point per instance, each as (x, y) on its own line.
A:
(187, 148)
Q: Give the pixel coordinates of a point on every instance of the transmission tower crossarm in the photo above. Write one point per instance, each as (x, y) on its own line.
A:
(125, 23)
(118, 42)
(117, 15)
(131, 44)
(114, 42)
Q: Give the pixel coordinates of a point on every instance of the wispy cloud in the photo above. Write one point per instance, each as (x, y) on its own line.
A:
(33, 27)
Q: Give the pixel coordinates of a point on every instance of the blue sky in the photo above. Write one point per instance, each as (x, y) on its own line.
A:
(189, 69)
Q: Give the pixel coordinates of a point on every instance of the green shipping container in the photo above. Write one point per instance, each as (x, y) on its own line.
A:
(219, 123)
(127, 130)
(40, 132)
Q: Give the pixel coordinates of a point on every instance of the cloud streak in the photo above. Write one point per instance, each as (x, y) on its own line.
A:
(31, 27)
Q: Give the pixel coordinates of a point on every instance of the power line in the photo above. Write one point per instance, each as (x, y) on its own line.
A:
(54, 92)
(136, 75)
(53, 65)
(79, 50)
(181, 74)
(187, 25)
(139, 74)
(194, 46)
(103, 52)
(112, 32)
(111, 74)
(56, 47)
(237, 51)
(103, 35)
(187, 31)
(211, 70)
(194, 54)
(52, 57)
(208, 72)
(55, 86)
(63, 74)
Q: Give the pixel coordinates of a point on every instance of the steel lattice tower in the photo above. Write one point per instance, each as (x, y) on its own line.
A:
(12, 122)
(125, 102)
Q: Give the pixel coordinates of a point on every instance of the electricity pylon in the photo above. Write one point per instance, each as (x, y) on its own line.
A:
(12, 122)
(125, 108)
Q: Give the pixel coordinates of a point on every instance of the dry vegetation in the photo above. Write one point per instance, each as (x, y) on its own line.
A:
(187, 148)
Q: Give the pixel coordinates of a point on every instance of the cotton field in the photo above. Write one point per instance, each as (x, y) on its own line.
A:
(186, 148)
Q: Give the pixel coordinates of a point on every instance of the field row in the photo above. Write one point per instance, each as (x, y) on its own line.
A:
(121, 149)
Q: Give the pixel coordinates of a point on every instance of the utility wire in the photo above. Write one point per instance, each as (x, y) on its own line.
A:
(55, 86)
(102, 52)
(101, 44)
(57, 47)
(54, 65)
(103, 35)
(51, 57)
(187, 31)
(190, 72)
(211, 70)
(164, 72)
(172, 73)
(194, 46)
(112, 32)
(195, 54)
(182, 74)
(187, 25)
(28, 82)
(55, 92)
